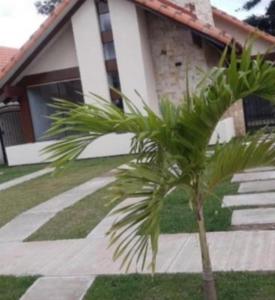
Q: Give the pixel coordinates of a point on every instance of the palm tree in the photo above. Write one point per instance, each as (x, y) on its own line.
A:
(173, 152)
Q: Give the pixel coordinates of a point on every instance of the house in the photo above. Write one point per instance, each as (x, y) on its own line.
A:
(143, 45)
(9, 113)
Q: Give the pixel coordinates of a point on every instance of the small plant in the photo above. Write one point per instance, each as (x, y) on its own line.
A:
(172, 150)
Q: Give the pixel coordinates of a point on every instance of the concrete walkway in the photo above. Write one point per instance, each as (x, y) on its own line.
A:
(23, 179)
(58, 288)
(31, 220)
(70, 266)
(230, 251)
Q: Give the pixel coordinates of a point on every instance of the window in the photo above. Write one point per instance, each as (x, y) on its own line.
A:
(41, 98)
(109, 51)
(113, 80)
(102, 6)
(105, 22)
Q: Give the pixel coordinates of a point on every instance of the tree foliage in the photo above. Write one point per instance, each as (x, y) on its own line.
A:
(47, 6)
(264, 22)
(172, 149)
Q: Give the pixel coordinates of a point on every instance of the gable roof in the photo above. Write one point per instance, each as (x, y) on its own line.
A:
(163, 7)
(67, 7)
(46, 30)
(243, 25)
(6, 53)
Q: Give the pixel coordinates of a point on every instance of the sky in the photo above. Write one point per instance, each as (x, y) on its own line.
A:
(19, 19)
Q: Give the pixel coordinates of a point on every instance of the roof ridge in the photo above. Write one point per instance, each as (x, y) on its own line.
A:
(179, 14)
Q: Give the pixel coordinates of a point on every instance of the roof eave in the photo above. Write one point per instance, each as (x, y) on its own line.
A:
(19, 61)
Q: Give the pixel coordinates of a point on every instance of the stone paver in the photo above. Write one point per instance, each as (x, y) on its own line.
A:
(257, 186)
(30, 221)
(257, 199)
(253, 216)
(254, 176)
(22, 179)
(58, 288)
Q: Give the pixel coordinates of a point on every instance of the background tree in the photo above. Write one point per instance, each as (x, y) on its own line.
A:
(172, 149)
(264, 22)
(47, 6)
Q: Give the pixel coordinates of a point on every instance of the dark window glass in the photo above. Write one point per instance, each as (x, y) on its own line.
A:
(105, 22)
(102, 7)
(113, 80)
(109, 51)
(40, 99)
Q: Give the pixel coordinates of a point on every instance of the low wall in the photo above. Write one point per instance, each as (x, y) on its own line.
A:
(110, 145)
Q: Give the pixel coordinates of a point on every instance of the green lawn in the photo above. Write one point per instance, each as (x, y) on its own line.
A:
(8, 173)
(231, 286)
(77, 221)
(22, 197)
(12, 288)
(178, 217)
(80, 219)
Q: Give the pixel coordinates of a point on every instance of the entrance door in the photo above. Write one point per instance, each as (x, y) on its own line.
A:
(258, 113)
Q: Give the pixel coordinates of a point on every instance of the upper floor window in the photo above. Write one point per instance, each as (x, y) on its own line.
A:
(102, 6)
(105, 22)
(109, 51)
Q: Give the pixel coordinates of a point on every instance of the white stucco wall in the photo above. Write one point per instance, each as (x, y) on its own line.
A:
(133, 52)
(59, 54)
(106, 146)
(240, 35)
(89, 51)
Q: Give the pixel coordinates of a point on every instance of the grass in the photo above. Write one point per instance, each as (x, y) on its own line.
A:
(12, 288)
(177, 216)
(9, 173)
(231, 286)
(77, 221)
(22, 197)
(80, 219)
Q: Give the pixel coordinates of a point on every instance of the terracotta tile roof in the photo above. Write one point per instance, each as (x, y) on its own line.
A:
(6, 53)
(244, 26)
(187, 18)
(165, 7)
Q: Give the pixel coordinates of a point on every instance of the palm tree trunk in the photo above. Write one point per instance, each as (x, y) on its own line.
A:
(209, 287)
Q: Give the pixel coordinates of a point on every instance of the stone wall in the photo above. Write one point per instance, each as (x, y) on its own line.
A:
(174, 53)
(203, 9)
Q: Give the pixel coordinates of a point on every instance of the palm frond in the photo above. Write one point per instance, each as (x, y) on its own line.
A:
(224, 86)
(240, 154)
(135, 234)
